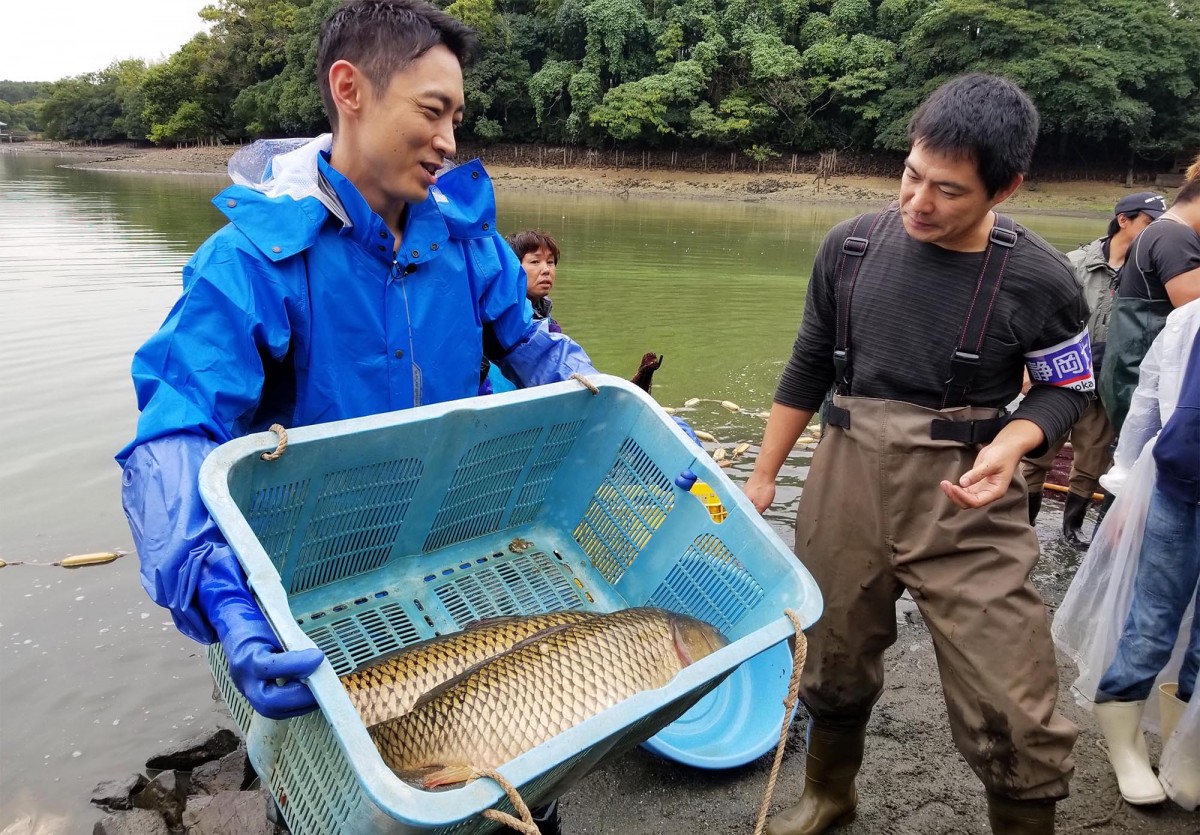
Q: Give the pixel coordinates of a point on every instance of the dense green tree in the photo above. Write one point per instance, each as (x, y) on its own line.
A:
(653, 106)
(181, 100)
(249, 46)
(1115, 81)
(83, 108)
(290, 102)
(18, 92)
(1123, 74)
(128, 77)
(21, 117)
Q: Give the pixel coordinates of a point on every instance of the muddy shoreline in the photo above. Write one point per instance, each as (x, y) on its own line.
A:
(1075, 198)
(913, 780)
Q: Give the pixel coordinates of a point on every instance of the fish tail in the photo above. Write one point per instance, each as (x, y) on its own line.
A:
(447, 775)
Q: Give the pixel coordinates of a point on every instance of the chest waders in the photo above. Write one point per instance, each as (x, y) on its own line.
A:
(872, 522)
(1133, 326)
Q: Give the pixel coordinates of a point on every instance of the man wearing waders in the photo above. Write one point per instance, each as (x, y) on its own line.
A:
(1161, 273)
(1092, 437)
(923, 318)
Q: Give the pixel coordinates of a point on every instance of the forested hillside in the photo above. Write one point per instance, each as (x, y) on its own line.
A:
(1115, 80)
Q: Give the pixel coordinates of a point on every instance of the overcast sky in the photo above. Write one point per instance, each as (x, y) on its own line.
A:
(52, 39)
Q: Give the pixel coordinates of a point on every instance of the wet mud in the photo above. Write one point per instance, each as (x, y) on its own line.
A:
(913, 780)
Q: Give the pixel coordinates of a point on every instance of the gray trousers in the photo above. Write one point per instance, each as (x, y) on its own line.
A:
(872, 522)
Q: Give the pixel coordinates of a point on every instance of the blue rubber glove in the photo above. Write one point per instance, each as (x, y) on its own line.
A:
(687, 430)
(544, 357)
(267, 676)
(187, 567)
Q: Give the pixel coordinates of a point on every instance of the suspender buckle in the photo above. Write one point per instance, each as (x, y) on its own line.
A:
(855, 246)
(963, 366)
(841, 369)
(1003, 237)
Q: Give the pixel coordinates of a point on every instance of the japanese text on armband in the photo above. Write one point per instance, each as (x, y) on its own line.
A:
(1067, 364)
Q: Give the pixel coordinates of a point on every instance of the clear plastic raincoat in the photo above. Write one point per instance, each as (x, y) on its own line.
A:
(1088, 625)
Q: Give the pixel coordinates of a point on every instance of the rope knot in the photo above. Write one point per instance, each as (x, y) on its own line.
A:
(585, 382)
(281, 448)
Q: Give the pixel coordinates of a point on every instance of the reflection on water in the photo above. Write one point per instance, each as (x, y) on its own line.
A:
(94, 676)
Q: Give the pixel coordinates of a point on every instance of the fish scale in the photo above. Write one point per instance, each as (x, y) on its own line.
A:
(391, 686)
(514, 702)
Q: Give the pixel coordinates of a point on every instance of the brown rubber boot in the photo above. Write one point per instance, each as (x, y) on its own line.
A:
(1020, 817)
(829, 798)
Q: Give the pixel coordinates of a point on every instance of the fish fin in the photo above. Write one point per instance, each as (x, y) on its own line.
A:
(448, 774)
(436, 692)
(495, 620)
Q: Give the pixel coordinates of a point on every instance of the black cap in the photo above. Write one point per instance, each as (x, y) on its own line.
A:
(1146, 202)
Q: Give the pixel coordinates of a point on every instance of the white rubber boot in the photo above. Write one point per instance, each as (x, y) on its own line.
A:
(1184, 784)
(1120, 723)
(1170, 709)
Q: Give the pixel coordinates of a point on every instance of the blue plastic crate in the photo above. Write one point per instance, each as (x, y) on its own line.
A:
(368, 535)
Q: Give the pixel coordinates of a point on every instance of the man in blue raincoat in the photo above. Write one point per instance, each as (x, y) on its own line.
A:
(351, 279)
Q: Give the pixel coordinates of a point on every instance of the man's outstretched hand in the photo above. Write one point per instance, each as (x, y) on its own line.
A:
(988, 480)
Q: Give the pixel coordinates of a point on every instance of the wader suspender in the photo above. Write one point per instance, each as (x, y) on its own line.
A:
(856, 248)
(965, 361)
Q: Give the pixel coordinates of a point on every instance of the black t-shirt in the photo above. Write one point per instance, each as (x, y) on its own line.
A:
(909, 305)
(1165, 249)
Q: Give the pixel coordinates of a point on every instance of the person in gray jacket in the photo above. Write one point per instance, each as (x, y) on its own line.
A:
(1096, 266)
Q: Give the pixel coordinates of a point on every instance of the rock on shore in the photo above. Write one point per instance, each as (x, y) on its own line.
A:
(203, 786)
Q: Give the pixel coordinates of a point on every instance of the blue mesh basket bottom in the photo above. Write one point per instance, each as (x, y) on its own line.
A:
(737, 722)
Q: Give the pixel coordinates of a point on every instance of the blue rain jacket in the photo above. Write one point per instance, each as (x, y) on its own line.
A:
(299, 312)
(1177, 451)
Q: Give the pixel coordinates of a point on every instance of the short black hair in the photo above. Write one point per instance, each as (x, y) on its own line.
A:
(1114, 225)
(382, 37)
(982, 117)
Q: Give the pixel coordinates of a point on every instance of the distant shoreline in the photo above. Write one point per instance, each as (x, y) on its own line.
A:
(1075, 198)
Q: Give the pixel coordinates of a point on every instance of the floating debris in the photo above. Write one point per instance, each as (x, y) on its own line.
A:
(731, 406)
(815, 432)
(806, 442)
(704, 436)
(669, 410)
(725, 463)
(740, 448)
(763, 415)
(719, 454)
(691, 401)
(97, 558)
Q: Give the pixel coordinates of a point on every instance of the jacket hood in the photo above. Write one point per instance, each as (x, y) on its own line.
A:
(285, 173)
(1093, 255)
